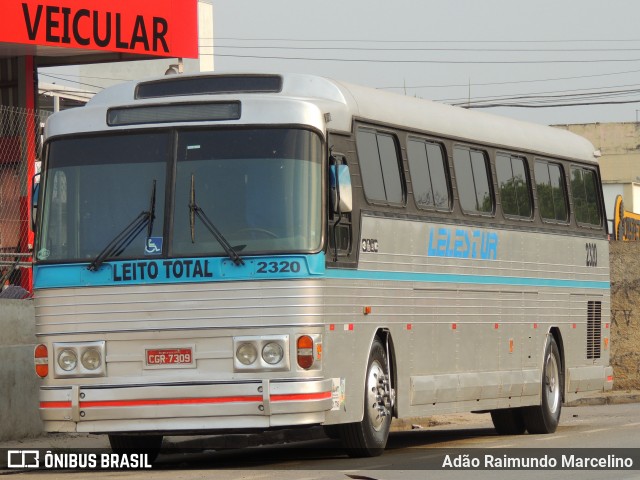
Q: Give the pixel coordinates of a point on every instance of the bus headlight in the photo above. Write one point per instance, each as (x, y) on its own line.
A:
(79, 359)
(261, 353)
(246, 354)
(272, 353)
(67, 359)
(91, 359)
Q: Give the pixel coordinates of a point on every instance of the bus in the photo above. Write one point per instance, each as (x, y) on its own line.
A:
(245, 252)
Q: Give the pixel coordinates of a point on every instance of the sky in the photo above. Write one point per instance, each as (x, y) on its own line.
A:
(468, 52)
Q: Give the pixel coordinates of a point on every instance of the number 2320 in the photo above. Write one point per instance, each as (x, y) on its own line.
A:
(278, 267)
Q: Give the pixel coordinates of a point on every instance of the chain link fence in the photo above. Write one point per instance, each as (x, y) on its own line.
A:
(19, 136)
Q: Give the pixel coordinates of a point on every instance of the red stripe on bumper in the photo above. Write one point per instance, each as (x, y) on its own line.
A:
(168, 401)
(55, 404)
(293, 397)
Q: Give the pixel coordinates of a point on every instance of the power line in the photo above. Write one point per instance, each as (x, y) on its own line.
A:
(450, 85)
(564, 100)
(87, 76)
(548, 100)
(463, 62)
(405, 49)
(72, 81)
(481, 84)
(378, 40)
(564, 93)
(535, 100)
(556, 105)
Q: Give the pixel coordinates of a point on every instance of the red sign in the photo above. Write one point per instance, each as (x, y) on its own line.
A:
(166, 28)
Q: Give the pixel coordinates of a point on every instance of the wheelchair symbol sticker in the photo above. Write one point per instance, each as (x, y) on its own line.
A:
(153, 246)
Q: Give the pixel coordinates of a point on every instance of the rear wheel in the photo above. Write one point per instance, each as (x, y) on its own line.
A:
(544, 418)
(368, 438)
(146, 444)
(509, 421)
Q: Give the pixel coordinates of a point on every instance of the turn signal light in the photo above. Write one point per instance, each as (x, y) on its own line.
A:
(41, 360)
(305, 351)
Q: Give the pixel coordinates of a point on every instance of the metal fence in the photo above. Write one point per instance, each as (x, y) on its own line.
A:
(19, 138)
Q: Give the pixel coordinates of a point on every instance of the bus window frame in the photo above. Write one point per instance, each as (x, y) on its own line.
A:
(568, 205)
(400, 160)
(490, 179)
(447, 172)
(599, 203)
(529, 178)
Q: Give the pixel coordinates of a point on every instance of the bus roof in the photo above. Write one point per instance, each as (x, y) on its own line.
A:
(468, 125)
(346, 102)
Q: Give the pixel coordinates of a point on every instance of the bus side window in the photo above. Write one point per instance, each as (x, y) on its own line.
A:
(428, 174)
(514, 185)
(380, 167)
(585, 198)
(552, 195)
(472, 179)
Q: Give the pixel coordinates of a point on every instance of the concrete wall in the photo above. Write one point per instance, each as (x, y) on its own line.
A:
(19, 416)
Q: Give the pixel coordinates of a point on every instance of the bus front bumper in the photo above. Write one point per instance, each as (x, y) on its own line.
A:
(185, 407)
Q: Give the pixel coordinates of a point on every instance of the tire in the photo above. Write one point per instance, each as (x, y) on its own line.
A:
(368, 438)
(544, 418)
(508, 421)
(147, 444)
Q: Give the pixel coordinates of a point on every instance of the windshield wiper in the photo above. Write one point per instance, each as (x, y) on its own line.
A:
(195, 210)
(128, 234)
(152, 209)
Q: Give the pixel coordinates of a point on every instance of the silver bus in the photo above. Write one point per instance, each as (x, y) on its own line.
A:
(230, 253)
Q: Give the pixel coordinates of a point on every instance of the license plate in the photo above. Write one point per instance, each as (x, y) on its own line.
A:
(169, 357)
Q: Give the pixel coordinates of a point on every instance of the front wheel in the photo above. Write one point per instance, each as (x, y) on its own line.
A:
(368, 438)
(544, 418)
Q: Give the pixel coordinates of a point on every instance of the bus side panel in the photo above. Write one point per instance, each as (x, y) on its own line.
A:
(470, 309)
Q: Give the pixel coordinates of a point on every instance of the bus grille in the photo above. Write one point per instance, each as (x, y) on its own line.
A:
(594, 328)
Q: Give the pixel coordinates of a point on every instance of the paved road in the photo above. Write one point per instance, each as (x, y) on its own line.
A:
(601, 427)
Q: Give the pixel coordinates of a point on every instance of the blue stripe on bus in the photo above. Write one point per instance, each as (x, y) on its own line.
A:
(463, 279)
(179, 270)
(193, 270)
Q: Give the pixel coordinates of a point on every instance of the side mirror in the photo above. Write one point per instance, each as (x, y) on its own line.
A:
(35, 194)
(341, 193)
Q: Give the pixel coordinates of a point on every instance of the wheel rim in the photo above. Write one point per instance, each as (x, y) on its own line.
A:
(552, 383)
(378, 395)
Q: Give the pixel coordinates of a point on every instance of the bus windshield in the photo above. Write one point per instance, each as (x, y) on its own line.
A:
(261, 188)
